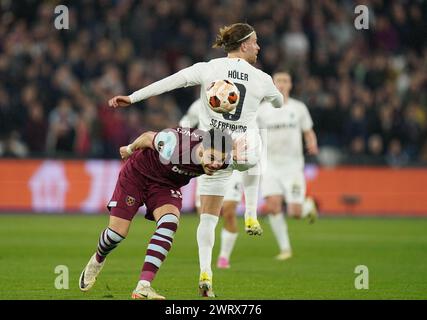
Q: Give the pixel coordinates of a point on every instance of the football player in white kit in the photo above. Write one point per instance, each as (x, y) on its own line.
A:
(239, 41)
(232, 197)
(283, 177)
(279, 183)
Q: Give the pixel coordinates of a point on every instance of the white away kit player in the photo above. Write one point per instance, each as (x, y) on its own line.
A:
(283, 175)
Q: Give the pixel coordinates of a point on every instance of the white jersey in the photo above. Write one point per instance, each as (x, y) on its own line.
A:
(284, 134)
(191, 117)
(255, 86)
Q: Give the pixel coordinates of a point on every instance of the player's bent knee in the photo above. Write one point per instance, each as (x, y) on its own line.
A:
(211, 204)
(119, 225)
(274, 205)
(295, 211)
(229, 209)
(166, 209)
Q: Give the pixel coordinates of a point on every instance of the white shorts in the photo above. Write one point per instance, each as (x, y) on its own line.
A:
(234, 189)
(253, 152)
(290, 185)
(216, 185)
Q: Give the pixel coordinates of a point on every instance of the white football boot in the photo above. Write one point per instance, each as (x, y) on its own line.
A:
(146, 292)
(89, 273)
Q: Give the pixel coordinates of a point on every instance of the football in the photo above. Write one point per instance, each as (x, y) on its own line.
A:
(223, 96)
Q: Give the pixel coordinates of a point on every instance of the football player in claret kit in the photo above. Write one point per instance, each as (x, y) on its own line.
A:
(239, 41)
(157, 166)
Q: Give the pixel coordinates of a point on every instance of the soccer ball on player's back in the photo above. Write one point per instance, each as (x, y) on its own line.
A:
(223, 96)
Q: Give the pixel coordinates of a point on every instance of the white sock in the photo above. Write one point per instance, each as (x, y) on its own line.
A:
(206, 241)
(227, 243)
(280, 230)
(143, 283)
(251, 187)
(307, 206)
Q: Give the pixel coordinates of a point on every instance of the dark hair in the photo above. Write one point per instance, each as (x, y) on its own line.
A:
(218, 140)
(231, 37)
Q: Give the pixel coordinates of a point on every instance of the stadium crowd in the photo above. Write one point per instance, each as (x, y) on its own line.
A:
(366, 89)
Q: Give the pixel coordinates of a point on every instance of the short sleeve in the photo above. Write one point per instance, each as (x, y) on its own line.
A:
(272, 94)
(306, 121)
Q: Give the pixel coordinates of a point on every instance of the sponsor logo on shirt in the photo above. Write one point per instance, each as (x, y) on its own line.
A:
(184, 172)
(176, 194)
(218, 124)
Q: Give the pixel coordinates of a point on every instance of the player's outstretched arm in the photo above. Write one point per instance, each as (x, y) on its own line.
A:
(144, 141)
(186, 77)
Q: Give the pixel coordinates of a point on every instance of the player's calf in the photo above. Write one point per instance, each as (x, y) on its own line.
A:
(108, 240)
(159, 246)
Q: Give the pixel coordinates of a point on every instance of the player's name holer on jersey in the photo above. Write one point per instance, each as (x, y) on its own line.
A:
(234, 74)
(218, 124)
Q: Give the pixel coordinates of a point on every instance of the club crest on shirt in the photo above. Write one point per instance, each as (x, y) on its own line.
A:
(130, 201)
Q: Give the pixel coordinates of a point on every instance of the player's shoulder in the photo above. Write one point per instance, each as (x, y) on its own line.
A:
(266, 106)
(196, 103)
(216, 61)
(297, 103)
(263, 76)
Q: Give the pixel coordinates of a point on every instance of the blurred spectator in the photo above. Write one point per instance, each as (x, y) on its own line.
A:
(295, 42)
(13, 146)
(356, 153)
(396, 157)
(356, 125)
(35, 130)
(62, 130)
(376, 150)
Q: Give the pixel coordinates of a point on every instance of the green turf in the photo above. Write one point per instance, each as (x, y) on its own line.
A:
(325, 256)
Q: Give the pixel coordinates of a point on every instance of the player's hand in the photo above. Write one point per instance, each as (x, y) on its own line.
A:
(124, 152)
(312, 149)
(119, 101)
(239, 150)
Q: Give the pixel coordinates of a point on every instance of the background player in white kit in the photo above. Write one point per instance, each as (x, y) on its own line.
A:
(239, 41)
(283, 177)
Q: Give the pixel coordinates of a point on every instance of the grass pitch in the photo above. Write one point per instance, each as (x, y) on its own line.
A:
(323, 266)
